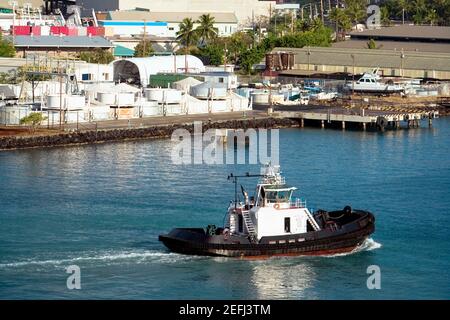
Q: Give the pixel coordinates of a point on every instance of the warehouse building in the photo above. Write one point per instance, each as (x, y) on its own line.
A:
(315, 60)
(245, 10)
(163, 24)
(401, 37)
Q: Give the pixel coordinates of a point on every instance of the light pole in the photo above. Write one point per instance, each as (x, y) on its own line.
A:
(13, 4)
(308, 54)
(402, 56)
(353, 74)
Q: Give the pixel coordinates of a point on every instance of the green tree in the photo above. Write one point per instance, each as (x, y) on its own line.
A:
(33, 120)
(97, 56)
(385, 17)
(356, 10)
(431, 17)
(371, 44)
(206, 30)
(6, 48)
(187, 35)
(403, 8)
(143, 48)
(420, 11)
(213, 54)
(341, 20)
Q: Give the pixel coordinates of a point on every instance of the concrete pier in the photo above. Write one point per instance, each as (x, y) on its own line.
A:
(381, 119)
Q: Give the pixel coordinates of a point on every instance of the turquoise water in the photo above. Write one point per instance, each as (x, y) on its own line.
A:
(101, 207)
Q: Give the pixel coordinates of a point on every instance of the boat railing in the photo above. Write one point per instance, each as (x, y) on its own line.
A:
(298, 203)
(272, 180)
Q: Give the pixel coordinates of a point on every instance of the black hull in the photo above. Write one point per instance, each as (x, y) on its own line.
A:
(324, 242)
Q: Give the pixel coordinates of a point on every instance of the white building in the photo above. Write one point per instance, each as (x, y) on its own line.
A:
(244, 10)
(164, 24)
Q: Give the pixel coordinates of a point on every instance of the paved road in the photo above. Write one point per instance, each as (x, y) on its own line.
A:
(155, 121)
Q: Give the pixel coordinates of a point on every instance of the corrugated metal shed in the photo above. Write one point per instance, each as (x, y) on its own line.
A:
(406, 32)
(396, 45)
(370, 58)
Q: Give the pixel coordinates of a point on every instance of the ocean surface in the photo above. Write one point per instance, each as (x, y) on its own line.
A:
(102, 207)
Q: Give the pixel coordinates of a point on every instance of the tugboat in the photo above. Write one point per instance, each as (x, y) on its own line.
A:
(273, 223)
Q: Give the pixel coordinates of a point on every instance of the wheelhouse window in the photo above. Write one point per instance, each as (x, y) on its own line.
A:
(278, 196)
(287, 225)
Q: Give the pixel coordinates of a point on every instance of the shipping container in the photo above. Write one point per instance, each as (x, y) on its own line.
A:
(64, 30)
(36, 31)
(72, 31)
(100, 31)
(82, 31)
(22, 30)
(54, 30)
(45, 30)
(91, 31)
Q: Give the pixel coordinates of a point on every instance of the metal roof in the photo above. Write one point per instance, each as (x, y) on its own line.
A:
(121, 51)
(370, 58)
(137, 15)
(396, 45)
(62, 42)
(406, 32)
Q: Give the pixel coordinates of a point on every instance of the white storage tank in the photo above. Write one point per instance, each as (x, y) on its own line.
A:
(107, 98)
(125, 99)
(54, 101)
(173, 109)
(163, 95)
(208, 90)
(75, 102)
(99, 113)
(172, 96)
(219, 106)
(260, 97)
(13, 114)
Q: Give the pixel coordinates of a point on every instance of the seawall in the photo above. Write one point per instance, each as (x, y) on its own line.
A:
(150, 132)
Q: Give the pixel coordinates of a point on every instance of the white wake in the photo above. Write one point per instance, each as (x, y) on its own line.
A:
(368, 245)
(138, 256)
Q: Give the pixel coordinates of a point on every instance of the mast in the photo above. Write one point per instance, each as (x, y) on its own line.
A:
(235, 180)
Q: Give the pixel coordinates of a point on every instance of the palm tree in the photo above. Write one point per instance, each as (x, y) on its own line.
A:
(341, 19)
(356, 10)
(420, 10)
(431, 17)
(403, 6)
(187, 36)
(206, 30)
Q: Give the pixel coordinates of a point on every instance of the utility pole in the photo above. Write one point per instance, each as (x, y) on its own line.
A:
(353, 74)
(13, 4)
(321, 10)
(144, 39)
(60, 96)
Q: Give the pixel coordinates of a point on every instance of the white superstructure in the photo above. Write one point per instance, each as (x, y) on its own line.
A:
(272, 211)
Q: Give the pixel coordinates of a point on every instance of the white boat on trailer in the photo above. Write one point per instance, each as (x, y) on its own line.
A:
(370, 82)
